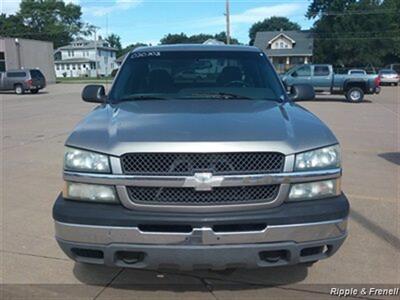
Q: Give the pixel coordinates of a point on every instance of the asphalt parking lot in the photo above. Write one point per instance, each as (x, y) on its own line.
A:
(33, 130)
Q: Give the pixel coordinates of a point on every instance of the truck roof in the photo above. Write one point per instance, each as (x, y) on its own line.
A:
(198, 47)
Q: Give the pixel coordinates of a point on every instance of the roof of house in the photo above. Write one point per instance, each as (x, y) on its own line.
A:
(213, 42)
(304, 42)
(86, 44)
(73, 60)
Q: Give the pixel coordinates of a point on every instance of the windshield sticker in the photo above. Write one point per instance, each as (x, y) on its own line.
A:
(145, 54)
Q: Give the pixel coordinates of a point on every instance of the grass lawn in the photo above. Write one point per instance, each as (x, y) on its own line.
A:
(84, 80)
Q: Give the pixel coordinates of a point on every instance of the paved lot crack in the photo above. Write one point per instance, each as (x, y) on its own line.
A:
(108, 284)
(208, 285)
(34, 255)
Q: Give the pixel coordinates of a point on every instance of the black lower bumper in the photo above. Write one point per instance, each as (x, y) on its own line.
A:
(189, 257)
(116, 215)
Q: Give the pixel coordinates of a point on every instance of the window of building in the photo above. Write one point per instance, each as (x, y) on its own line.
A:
(84, 66)
(62, 67)
(2, 62)
(67, 66)
(73, 67)
(321, 71)
(57, 67)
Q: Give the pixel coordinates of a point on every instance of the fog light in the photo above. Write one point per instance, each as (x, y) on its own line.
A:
(315, 190)
(90, 192)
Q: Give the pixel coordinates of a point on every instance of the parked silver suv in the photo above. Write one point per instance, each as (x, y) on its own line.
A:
(22, 80)
(218, 171)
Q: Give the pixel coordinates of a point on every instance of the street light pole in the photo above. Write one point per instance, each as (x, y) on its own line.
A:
(228, 25)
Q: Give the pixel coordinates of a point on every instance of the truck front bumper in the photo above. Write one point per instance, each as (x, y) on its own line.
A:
(113, 235)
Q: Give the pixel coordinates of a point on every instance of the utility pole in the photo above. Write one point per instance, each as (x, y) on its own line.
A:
(228, 24)
(95, 52)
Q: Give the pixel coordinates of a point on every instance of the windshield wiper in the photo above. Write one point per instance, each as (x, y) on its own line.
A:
(219, 95)
(142, 97)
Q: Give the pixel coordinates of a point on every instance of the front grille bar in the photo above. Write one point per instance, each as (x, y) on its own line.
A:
(193, 181)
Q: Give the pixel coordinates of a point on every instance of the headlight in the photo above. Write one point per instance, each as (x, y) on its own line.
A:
(90, 192)
(85, 161)
(328, 157)
(315, 190)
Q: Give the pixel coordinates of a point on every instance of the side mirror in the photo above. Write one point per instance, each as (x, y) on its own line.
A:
(94, 93)
(300, 92)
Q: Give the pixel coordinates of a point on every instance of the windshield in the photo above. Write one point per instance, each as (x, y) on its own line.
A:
(196, 75)
(387, 72)
(357, 72)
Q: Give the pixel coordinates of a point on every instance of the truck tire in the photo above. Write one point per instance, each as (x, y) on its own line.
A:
(34, 91)
(355, 94)
(19, 89)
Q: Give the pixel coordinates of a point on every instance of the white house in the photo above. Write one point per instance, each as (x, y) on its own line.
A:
(286, 48)
(79, 59)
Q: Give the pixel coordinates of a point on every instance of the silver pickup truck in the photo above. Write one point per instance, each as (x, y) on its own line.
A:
(324, 80)
(211, 172)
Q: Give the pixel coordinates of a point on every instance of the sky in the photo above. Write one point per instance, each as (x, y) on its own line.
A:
(148, 21)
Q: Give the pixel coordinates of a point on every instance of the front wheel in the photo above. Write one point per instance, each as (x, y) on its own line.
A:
(355, 94)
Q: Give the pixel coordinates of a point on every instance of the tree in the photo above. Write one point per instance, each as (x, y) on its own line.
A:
(222, 37)
(175, 39)
(271, 24)
(194, 39)
(114, 41)
(48, 20)
(128, 48)
(12, 26)
(356, 33)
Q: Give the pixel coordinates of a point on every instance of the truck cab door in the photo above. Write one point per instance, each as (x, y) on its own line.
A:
(302, 75)
(322, 78)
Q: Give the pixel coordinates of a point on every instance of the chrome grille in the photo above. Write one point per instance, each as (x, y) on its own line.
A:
(189, 196)
(190, 163)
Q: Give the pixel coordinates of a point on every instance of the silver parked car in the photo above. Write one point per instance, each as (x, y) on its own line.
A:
(22, 80)
(389, 77)
(221, 172)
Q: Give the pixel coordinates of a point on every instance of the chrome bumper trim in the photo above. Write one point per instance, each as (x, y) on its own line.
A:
(200, 236)
(192, 181)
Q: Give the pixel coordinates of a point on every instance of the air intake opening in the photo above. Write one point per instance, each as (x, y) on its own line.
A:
(165, 228)
(315, 250)
(239, 227)
(88, 253)
(130, 257)
(274, 256)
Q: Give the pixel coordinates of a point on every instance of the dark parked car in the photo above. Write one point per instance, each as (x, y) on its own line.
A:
(221, 172)
(21, 81)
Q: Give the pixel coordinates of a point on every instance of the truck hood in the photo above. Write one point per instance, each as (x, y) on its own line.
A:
(200, 126)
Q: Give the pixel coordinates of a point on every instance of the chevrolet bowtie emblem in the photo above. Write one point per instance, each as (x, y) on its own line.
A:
(203, 181)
